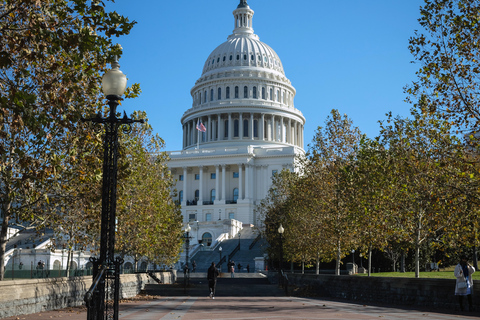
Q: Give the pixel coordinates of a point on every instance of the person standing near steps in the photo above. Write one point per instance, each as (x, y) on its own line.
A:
(212, 275)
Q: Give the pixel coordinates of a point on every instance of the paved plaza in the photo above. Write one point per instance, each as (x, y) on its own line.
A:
(255, 308)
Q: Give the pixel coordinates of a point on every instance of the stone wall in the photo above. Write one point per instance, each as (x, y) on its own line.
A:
(36, 295)
(394, 291)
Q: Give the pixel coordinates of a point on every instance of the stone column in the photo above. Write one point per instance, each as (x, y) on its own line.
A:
(282, 130)
(209, 129)
(252, 126)
(289, 131)
(240, 124)
(274, 129)
(262, 127)
(247, 181)
(185, 187)
(217, 183)
(224, 174)
(230, 127)
(221, 128)
(240, 181)
(200, 189)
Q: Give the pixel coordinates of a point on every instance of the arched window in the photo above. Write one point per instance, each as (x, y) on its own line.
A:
(212, 195)
(207, 239)
(211, 94)
(236, 92)
(224, 58)
(231, 57)
(180, 196)
(263, 93)
(278, 95)
(205, 97)
(245, 92)
(197, 195)
(245, 128)
(219, 94)
(235, 194)
(200, 98)
(227, 93)
(255, 128)
(271, 94)
(226, 129)
(235, 128)
(254, 92)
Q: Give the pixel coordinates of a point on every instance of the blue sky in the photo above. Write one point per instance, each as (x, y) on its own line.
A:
(348, 55)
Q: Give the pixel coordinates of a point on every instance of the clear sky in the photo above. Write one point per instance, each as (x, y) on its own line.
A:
(349, 55)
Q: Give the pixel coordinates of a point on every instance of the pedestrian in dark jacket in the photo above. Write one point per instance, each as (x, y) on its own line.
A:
(212, 275)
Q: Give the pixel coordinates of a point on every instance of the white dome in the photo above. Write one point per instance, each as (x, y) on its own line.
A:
(241, 50)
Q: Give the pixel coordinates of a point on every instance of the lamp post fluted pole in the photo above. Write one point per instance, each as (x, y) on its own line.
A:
(280, 231)
(103, 297)
(186, 271)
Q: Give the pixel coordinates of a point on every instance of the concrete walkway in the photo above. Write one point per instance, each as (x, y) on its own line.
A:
(232, 308)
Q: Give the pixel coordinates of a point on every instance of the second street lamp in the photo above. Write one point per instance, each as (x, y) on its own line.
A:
(186, 272)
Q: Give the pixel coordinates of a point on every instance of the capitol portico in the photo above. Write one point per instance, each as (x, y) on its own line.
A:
(242, 128)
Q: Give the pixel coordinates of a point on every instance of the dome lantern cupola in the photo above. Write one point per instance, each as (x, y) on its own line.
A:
(243, 19)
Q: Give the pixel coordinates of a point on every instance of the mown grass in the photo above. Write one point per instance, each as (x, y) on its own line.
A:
(428, 275)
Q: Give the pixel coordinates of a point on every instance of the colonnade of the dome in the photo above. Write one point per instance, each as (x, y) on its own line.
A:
(268, 93)
(246, 126)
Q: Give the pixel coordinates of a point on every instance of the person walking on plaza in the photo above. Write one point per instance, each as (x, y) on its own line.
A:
(212, 275)
(231, 269)
(194, 266)
(464, 285)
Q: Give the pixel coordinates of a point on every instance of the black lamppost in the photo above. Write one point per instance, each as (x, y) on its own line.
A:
(186, 270)
(280, 231)
(220, 251)
(239, 235)
(103, 297)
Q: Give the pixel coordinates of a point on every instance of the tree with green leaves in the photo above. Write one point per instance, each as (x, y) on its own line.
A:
(149, 221)
(330, 158)
(419, 197)
(448, 51)
(52, 55)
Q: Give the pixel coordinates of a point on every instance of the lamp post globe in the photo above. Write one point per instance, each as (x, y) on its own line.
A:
(114, 82)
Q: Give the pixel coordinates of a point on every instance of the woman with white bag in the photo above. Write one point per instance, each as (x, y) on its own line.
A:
(464, 285)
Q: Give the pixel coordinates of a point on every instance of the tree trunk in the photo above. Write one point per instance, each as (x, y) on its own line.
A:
(67, 269)
(317, 268)
(369, 260)
(3, 243)
(417, 254)
(475, 258)
(402, 262)
(337, 262)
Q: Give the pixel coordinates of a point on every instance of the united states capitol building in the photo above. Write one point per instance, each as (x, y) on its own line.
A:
(241, 129)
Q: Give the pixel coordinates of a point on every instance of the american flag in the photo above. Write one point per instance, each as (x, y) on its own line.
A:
(200, 126)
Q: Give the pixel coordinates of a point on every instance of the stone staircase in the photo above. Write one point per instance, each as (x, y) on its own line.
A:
(245, 256)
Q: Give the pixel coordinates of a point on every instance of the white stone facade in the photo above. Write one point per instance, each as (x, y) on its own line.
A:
(252, 130)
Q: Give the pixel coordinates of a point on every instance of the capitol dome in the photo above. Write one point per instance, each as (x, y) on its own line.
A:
(243, 94)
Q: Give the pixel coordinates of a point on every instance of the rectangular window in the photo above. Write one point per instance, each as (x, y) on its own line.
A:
(213, 176)
(231, 215)
(227, 92)
(197, 176)
(235, 174)
(180, 177)
(208, 217)
(191, 217)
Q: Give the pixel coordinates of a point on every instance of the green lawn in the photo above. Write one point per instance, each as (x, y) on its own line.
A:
(430, 275)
